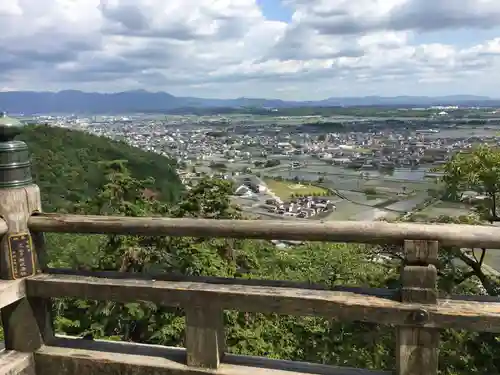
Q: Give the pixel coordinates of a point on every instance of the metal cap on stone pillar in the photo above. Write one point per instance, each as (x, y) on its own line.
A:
(15, 163)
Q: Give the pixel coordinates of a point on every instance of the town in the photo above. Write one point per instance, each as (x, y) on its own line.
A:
(309, 167)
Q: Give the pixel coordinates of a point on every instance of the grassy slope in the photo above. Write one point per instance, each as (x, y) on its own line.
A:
(65, 165)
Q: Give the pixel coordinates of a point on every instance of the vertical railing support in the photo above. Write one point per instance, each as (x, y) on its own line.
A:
(205, 338)
(417, 348)
(26, 322)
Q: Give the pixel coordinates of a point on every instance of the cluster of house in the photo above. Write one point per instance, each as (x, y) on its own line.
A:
(387, 153)
(302, 207)
(249, 186)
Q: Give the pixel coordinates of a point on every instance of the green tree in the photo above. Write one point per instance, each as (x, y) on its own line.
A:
(460, 270)
(124, 195)
(208, 198)
(478, 171)
(66, 166)
(370, 191)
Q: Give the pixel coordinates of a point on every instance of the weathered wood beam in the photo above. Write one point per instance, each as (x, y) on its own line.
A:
(16, 363)
(392, 294)
(205, 337)
(11, 291)
(418, 347)
(164, 276)
(331, 304)
(84, 357)
(337, 231)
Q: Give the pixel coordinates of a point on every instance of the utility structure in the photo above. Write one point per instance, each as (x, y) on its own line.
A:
(28, 285)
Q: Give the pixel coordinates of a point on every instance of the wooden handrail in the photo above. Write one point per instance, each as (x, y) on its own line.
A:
(341, 305)
(414, 309)
(337, 231)
(11, 291)
(113, 357)
(16, 363)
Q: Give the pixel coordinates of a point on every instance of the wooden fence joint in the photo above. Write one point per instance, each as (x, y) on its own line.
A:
(205, 338)
(417, 347)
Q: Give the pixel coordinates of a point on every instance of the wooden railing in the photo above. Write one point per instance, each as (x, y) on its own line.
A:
(415, 309)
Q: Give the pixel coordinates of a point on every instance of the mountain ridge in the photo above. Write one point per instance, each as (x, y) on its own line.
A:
(75, 101)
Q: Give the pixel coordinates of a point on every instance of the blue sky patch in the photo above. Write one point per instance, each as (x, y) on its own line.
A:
(275, 10)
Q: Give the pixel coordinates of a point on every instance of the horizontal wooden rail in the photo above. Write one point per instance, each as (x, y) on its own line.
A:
(163, 276)
(345, 306)
(16, 363)
(338, 231)
(84, 357)
(387, 293)
(11, 291)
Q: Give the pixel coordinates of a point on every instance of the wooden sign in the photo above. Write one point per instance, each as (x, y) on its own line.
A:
(22, 256)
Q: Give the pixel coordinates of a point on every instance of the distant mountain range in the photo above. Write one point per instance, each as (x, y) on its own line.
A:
(78, 102)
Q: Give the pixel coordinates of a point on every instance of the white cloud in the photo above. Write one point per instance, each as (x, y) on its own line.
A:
(227, 48)
(340, 17)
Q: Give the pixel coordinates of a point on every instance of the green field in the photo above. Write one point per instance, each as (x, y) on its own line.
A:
(287, 189)
(441, 208)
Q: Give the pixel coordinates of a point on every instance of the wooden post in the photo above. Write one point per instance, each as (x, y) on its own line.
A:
(205, 338)
(26, 321)
(417, 348)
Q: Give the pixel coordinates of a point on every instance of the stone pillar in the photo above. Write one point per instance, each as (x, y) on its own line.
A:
(27, 320)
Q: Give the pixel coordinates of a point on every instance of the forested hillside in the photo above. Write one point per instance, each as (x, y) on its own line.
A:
(117, 188)
(66, 165)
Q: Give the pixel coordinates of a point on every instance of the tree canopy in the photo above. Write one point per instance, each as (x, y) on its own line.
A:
(66, 165)
(478, 171)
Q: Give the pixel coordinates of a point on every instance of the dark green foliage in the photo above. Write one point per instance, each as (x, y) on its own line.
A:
(477, 171)
(272, 163)
(66, 165)
(370, 191)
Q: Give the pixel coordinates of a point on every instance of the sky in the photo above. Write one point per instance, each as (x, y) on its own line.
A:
(288, 49)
